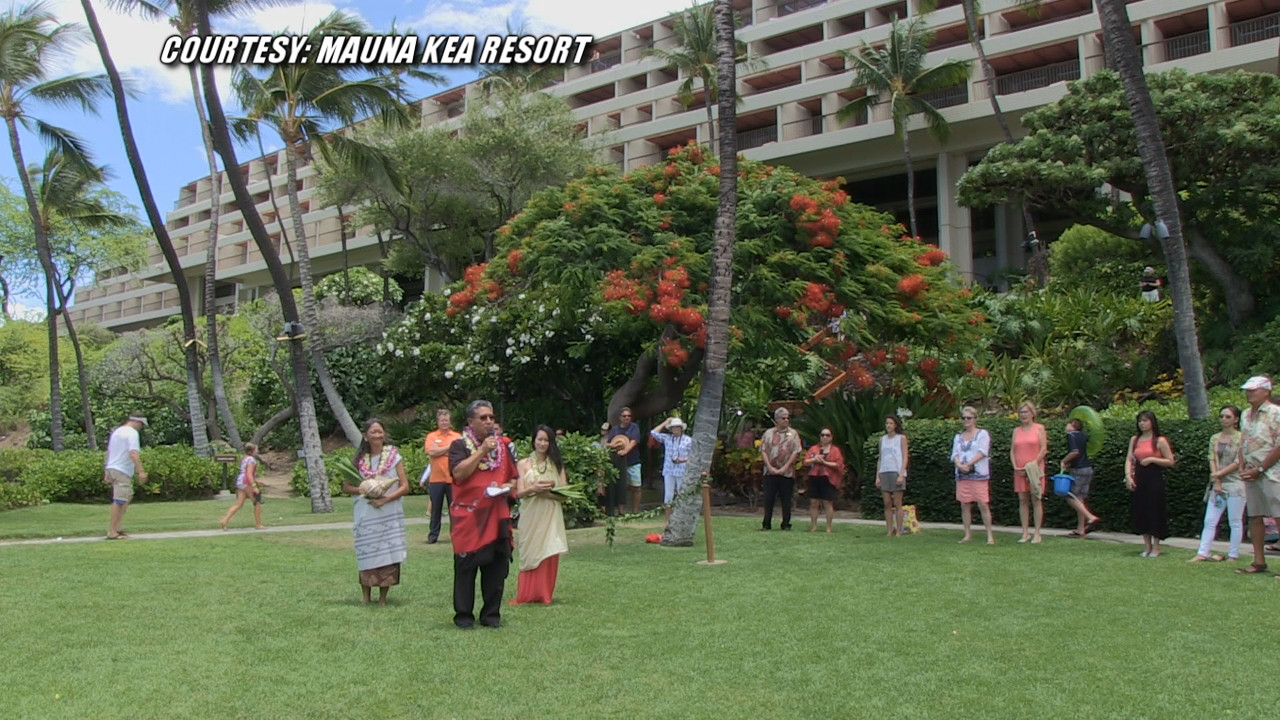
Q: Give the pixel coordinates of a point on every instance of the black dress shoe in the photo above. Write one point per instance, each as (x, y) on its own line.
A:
(786, 527)
(432, 541)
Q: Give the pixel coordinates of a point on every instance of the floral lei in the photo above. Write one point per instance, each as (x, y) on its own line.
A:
(387, 461)
(490, 461)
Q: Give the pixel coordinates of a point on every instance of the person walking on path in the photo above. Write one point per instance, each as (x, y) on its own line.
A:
(123, 458)
(779, 449)
(439, 481)
(1077, 464)
(247, 488)
(1149, 455)
(1226, 490)
(1259, 453)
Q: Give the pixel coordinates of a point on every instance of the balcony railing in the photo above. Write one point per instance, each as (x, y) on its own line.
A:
(946, 97)
(1184, 46)
(748, 139)
(1037, 77)
(604, 61)
(795, 6)
(1255, 29)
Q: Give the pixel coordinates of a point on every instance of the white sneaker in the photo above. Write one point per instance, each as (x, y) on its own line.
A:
(1145, 554)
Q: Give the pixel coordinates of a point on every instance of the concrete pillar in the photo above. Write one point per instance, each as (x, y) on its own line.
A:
(1152, 43)
(1219, 27)
(1092, 56)
(994, 24)
(831, 104)
(955, 229)
(793, 121)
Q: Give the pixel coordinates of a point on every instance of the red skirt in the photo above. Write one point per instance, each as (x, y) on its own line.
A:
(538, 585)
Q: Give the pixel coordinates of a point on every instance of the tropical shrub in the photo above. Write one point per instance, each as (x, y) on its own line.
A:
(931, 486)
(357, 286)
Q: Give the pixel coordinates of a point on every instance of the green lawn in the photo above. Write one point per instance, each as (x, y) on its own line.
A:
(71, 520)
(852, 625)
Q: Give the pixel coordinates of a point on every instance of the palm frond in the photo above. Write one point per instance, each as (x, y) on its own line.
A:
(70, 90)
(70, 145)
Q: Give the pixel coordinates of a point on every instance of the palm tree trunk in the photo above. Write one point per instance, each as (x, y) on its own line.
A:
(4, 299)
(1039, 263)
(45, 255)
(711, 123)
(211, 274)
(310, 315)
(199, 431)
(82, 375)
(684, 516)
(911, 177)
(312, 453)
(1155, 162)
(346, 264)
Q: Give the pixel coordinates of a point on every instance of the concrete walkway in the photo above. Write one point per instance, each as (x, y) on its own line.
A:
(1183, 543)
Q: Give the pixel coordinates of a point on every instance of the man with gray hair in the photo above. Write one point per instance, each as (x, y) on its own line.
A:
(483, 474)
(779, 449)
(1259, 452)
(122, 459)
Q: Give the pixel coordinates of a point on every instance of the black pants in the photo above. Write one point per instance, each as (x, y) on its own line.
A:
(493, 563)
(441, 498)
(774, 486)
(615, 493)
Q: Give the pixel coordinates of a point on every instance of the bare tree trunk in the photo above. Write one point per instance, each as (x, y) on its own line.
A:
(272, 423)
(199, 432)
(1237, 291)
(1155, 161)
(82, 375)
(317, 478)
(211, 275)
(45, 255)
(911, 177)
(711, 123)
(310, 315)
(684, 516)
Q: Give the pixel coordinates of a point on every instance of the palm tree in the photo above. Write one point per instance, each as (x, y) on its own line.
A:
(303, 399)
(684, 516)
(195, 404)
(516, 80)
(1122, 54)
(697, 58)
(297, 101)
(30, 37)
(896, 74)
(65, 194)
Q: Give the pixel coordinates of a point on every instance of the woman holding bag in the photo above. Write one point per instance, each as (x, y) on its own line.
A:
(826, 476)
(1028, 450)
(1226, 490)
(378, 515)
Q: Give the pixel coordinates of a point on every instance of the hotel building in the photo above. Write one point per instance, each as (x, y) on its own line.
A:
(626, 100)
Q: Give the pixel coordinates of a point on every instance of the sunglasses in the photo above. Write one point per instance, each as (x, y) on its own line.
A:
(968, 417)
(484, 417)
(825, 434)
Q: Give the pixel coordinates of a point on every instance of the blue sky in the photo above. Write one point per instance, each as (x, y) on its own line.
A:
(163, 117)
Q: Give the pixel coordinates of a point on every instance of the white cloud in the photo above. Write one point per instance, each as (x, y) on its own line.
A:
(542, 16)
(21, 311)
(135, 44)
(465, 17)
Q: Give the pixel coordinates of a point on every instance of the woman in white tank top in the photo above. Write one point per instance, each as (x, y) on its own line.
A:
(891, 473)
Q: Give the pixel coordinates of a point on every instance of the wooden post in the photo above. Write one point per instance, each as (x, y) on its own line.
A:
(706, 526)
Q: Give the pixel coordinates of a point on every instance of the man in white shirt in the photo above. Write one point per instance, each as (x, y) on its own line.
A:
(122, 460)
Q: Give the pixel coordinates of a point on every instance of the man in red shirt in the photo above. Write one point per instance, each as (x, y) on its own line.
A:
(480, 518)
(439, 482)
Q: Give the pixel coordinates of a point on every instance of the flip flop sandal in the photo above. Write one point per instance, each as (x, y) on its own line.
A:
(1074, 534)
(1253, 569)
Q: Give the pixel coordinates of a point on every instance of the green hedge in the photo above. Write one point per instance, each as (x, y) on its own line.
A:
(931, 486)
(31, 477)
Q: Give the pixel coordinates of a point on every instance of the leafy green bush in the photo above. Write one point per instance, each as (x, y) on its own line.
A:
(931, 486)
(69, 476)
(357, 286)
(175, 472)
(14, 461)
(16, 495)
(1089, 258)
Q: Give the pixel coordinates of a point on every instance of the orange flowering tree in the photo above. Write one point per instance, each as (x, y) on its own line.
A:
(598, 292)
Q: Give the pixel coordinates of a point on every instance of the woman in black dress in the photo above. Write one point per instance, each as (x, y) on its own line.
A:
(1149, 455)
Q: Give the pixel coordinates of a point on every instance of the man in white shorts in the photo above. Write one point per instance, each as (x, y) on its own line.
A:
(122, 460)
(1259, 453)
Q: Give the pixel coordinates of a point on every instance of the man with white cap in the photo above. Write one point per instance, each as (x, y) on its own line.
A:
(676, 448)
(1259, 452)
(122, 460)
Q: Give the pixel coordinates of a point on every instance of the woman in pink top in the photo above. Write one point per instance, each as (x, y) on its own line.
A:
(1030, 446)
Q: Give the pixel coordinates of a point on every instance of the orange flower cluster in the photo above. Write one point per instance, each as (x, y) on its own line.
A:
(477, 285)
(659, 199)
(822, 225)
(820, 298)
(666, 305)
(513, 261)
(931, 257)
(674, 353)
(913, 285)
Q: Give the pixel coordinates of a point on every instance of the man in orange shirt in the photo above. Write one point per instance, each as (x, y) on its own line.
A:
(440, 482)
